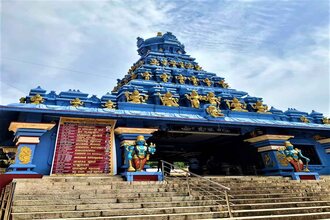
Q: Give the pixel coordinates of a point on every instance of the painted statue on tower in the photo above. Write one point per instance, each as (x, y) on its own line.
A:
(294, 157)
(138, 154)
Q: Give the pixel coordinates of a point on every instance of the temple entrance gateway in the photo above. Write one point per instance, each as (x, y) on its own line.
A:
(208, 153)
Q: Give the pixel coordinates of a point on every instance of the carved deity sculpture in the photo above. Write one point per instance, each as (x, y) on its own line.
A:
(180, 64)
(194, 80)
(133, 76)
(304, 119)
(214, 111)
(172, 63)
(181, 78)
(146, 75)
(164, 77)
(154, 61)
(164, 62)
(76, 102)
(194, 99)
(22, 100)
(135, 97)
(37, 99)
(138, 154)
(294, 156)
(223, 84)
(189, 66)
(236, 105)
(207, 82)
(260, 107)
(109, 105)
(212, 99)
(197, 67)
(168, 99)
(326, 120)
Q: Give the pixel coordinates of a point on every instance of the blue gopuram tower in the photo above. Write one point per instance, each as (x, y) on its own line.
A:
(166, 98)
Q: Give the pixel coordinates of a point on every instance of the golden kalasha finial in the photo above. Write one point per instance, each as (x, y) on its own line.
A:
(260, 107)
(236, 105)
(212, 99)
(214, 111)
(173, 63)
(164, 62)
(146, 75)
(304, 119)
(194, 80)
(37, 99)
(109, 105)
(164, 77)
(207, 82)
(135, 97)
(168, 99)
(76, 102)
(223, 84)
(194, 99)
(159, 34)
(181, 78)
(154, 61)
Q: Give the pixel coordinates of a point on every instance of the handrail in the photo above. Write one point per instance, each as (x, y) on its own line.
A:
(196, 175)
(188, 174)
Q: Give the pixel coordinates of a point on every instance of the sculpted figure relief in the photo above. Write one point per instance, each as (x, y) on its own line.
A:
(164, 77)
(212, 99)
(207, 82)
(214, 111)
(294, 156)
(138, 154)
(37, 99)
(194, 99)
(135, 97)
(181, 78)
(260, 107)
(168, 99)
(146, 75)
(194, 80)
(236, 105)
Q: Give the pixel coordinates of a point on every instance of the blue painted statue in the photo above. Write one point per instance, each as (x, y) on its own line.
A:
(294, 156)
(139, 154)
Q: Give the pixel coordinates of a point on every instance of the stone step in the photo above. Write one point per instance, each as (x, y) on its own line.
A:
(250, 206)
(280, 211)
(116, 212)
(274, 200)
(122, 203)
(85, 199)
(300, 216)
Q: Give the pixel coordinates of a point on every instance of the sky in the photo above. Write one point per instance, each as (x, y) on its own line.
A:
(274, 49)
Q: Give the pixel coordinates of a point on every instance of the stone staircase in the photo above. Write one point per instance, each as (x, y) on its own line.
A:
(113, 198)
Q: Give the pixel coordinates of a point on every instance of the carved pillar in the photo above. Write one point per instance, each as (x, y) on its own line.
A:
(275, 163)
(27, 138)
(129, 135)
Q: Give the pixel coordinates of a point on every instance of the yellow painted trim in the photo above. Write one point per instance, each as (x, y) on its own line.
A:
(27, 140)
(324, 141)
(43, 126)
(125, 130)
(268, 148)
(130, 142)
(269, 137)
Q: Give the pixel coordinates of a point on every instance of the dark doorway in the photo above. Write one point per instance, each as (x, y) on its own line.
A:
(207, 153)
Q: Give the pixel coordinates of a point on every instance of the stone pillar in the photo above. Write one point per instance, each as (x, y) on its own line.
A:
(129, 135)
(27, 138)
(325, 144)
(275, 163)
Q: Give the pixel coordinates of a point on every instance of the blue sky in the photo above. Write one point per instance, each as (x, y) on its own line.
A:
(275, 49)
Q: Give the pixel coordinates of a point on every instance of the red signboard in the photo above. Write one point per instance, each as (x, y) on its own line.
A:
(84, 146)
